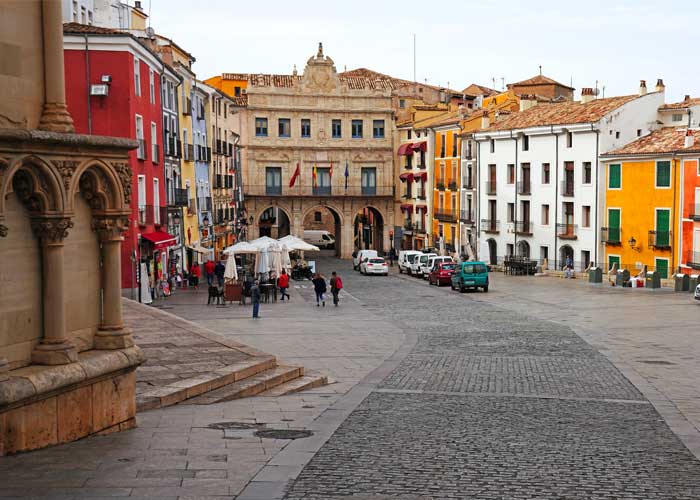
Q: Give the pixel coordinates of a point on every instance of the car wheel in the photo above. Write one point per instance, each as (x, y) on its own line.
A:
(400, 270)
(462, 289)
(486, 289)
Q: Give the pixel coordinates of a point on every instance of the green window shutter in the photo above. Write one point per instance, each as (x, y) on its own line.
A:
(661, 268)
(663, 224)
(613, 224)
(663, 174)
(614, 181)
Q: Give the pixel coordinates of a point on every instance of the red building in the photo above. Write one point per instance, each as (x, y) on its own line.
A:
(113, 89)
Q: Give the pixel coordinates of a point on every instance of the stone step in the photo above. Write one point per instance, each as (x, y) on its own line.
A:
(310, 380)
(250, 386)
(190, 388)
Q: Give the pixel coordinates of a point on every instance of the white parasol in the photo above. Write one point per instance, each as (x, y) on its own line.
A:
(231, 273)
(293, 243)
(263, 242)
(262, 262)
(241, 247)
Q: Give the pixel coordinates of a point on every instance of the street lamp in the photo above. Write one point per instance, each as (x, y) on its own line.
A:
(633, 244)
(252, 219)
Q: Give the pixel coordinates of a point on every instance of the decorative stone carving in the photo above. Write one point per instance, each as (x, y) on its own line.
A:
(124, 172)
(110, 227)
(25, 189)
(55, 118)
(3, 231)
(51, 230)
(67, 169)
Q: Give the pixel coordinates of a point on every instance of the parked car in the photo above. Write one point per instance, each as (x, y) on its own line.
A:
(419, 261)
(405, 259)
(471, 275)
(319, 237)
(442, 272)
(360, 256)
(376, 265)
(431, 263)
(697, 292)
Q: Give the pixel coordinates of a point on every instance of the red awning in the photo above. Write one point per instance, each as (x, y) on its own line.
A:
(422, 207)
(406, 176)
(420, 146)
(407, 208)
(421, 175)
(160, 239)
(406, 149)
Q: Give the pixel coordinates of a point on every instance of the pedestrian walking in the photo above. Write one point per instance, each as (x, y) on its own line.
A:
(209, 271)
(195, 272)
(392, 256)
(336, 287)
(283, 284)
(219, 271)
(569, 267)
(320, 289)
(255, 298)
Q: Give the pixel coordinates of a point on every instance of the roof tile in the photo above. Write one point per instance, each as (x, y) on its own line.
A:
(664, 140)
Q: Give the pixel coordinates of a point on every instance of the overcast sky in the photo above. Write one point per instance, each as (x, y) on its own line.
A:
(617, 42)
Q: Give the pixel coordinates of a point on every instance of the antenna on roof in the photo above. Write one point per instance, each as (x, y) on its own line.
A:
(540, 70)
(414, 58)
(503, 83)
(493, 82)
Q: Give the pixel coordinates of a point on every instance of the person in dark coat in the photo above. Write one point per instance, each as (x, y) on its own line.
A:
(336, 287)
(219, 271)
(320, 289)
(255, 298)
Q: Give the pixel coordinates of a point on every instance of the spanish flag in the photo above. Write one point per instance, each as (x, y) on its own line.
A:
(315, 176)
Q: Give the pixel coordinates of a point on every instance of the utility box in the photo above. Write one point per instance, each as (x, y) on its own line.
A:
(681, 282)
(653, 280)
(595, 275)
(693, 282)
(622, 278)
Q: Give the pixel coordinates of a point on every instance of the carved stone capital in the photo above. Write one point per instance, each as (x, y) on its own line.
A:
(67, 169)
(3, 231)
(51, 230)
(124, 171)
(56, 118)
(110, 227)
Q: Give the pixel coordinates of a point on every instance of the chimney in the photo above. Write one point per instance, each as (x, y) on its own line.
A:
(527, 101)
(660, 87)
(485, 120)
(689, 139)
(587, 95)
(642, 87)
(687, 98)
(137, 5)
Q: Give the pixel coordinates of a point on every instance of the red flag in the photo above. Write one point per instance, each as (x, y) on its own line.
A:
(295, 176)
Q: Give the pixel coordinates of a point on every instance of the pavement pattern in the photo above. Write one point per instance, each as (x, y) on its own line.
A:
(493, 404)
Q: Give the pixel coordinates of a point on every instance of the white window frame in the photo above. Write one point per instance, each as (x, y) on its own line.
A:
(154, 140)
(139, 129)
(590, 211)
(656, 175)
(607, 180)
(141, 200)
(156, 200)
(137, 75)
(151, 85)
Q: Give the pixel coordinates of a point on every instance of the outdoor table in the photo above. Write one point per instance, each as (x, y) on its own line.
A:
(268, 289)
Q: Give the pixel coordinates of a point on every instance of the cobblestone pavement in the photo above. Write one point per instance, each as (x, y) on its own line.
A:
(493, 404)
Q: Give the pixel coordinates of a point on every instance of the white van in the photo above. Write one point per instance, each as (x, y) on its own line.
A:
(405, 259)
(432, 262)
(319, 237)
(360, 256)
(419, 261)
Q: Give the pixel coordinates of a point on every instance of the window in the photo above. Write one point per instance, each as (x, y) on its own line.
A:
(677, 117)
(284, 127)
(141, 151)
(545, 215)
(509, 249)
(378, 129)
(402, 103)
(89, 17)
(273, 180)
(369, 180)
(137, 76)
(544, 254)
(409, 133)
(237, 91)
(156, 201)
(545, 173)
(639, 132)
(492, 143)
(442, 145)
(663, 174)
(585, 258)
(75, 11)
(261, 127)
(323, 182)
(454, 145)
(617, 134)
(83, 19)
(614, 177)
(511, 212)
(141, 184)
(154, 143)
(569, 139)
(661, 266)
(336, 129)
(511, 173)
(587, 172)
(151, 86)
(586, 216)
(356, 129)
(305, 127)
(318, 217)
(526, 143)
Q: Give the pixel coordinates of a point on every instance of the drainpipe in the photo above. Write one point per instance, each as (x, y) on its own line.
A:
(556, 195)
(673, 215)
(597, 188)
(87, 84)
(477, 211)
(515, 205)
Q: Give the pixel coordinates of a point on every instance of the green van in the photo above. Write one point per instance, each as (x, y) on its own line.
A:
(471, 275)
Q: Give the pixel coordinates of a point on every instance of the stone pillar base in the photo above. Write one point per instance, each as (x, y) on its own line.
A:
(110, 338)
(55, 118)
(4, 369)
(61, 353)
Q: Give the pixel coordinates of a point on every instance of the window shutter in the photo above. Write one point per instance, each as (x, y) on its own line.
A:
(614, 174)
(663, 174)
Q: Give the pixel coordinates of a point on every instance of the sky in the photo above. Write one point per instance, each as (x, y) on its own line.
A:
(614, 42)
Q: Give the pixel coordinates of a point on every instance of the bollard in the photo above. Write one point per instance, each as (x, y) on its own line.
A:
(653, 280)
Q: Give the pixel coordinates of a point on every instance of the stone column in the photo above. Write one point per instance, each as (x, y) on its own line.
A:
(112, 333)
(54, 348)
(4, 365)
(347, 245)
(55, 116)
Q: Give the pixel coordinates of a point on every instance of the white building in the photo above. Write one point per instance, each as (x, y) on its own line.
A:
(541, 185)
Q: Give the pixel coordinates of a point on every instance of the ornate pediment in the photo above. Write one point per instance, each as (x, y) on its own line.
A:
(320, 75)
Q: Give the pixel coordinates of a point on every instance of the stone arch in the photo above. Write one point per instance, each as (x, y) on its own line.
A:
(339, 231)
(373, 236)
(104, 186)
(36, 183)
(338, 212)
(283, 209)
(523, 249)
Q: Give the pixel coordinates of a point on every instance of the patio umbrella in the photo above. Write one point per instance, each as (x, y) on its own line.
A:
(231, 273)
(263, 242)
(262, 262)
(286, 261)
(293, 243)
(241, 247)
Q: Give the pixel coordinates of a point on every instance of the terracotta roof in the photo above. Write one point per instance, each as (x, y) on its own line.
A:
(395, 82)
(695, 101)
(562, 113)
(273, 80)
(447, 118)
(539, 80)
(475, 89)
(91, 30)
(664, 140)
(241, 101)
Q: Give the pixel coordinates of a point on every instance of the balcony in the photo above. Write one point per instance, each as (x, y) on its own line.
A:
(661, 240)
(218, 181)
(160, 216)
(452, 186)
(524, 188)
(692, 259)
(178, 198)
(156, 153)
(440, 186)
(445, 215)
(610, 235)
(490, 225)
(189, 152)
(567, 231)
(419, 228)
(466, 216)
(192, 206)
(490, 187)
(141, 151)
(187, 108)
(523, 227)
(567, 188)
(311, 191)
(695, 212)
(408, 226)
(149, 214)
(467, 182)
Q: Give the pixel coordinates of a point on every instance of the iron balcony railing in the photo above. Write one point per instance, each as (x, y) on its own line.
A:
(567, 231)
(692, 259)
(149, 214)
(440, 185)
(523, 227)
(490, 187)
(178, 198)
(610, 235)
(445, 215)
(567, 187)
(524, 187)
(419, 227)
(452, 186)
(695, 209)
(660, 239)
(467, 182)
(466, 216)
(490, 225)
(273, 190)
(299, 190)
(204, 204)
(408, 226)
(141, 151)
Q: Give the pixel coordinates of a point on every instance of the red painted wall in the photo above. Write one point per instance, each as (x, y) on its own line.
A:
(691, 180)
(115, 115)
